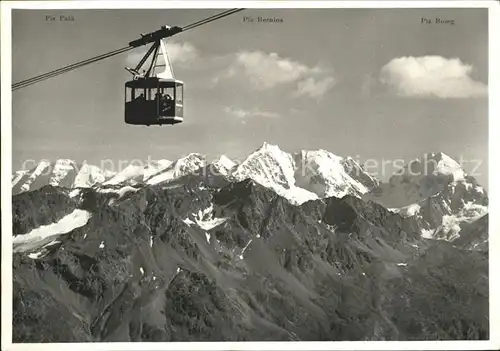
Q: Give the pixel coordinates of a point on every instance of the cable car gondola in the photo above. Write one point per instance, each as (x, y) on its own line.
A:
(154, 98)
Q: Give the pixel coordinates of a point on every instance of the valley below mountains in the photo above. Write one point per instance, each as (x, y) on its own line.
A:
(279, 247)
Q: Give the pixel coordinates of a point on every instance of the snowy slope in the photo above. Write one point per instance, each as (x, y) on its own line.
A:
(46, 233)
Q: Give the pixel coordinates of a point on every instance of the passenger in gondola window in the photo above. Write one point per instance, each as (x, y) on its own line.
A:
(165, 105)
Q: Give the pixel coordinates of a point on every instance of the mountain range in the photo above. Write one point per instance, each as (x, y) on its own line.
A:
(280, 246)
(434, 189)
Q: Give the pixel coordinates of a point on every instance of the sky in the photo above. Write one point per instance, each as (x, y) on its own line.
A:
(373, 84)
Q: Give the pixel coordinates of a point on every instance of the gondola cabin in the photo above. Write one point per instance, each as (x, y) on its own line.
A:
(154, 101)
(154, 97)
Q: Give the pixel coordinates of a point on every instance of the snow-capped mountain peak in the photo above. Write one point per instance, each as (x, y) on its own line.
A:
(437, 192)
(327, 174)
(268, 165)
(420, 179)
(61, 169)
(90, 175)
(275, 169)
(190, 163)
(435, 164)
(305, 175)
(226, 162)
(224, 165)
(40, 168)
(183, 166)
(447, 166)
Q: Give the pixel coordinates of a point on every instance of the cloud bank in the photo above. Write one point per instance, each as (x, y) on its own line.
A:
(245, 114)
(431, 76)
(265, 71)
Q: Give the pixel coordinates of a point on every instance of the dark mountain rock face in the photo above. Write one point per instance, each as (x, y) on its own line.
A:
(207, 260)
(445, 288)
(44, 206)
(474, 236)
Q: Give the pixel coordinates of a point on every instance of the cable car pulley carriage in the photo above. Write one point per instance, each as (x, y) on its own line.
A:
(154, 97)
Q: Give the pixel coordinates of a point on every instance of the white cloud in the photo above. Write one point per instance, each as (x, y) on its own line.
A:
(179, 53)
(315, 88)
(183, 52)
(244, 114)
(268, 70)
(431, 76)
(265, 71)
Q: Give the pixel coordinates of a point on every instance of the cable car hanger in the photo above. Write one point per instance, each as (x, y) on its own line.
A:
(153, 37)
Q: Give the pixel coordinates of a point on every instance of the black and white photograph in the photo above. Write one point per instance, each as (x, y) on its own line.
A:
(178, 172)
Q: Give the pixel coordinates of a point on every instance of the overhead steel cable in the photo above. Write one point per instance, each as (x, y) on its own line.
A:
(68, 68)
(146, 39)
(210, 19)
(78, 64)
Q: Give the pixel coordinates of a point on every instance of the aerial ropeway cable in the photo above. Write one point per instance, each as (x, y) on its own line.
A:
(68, 68)
(210, 19)
(153, 37)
